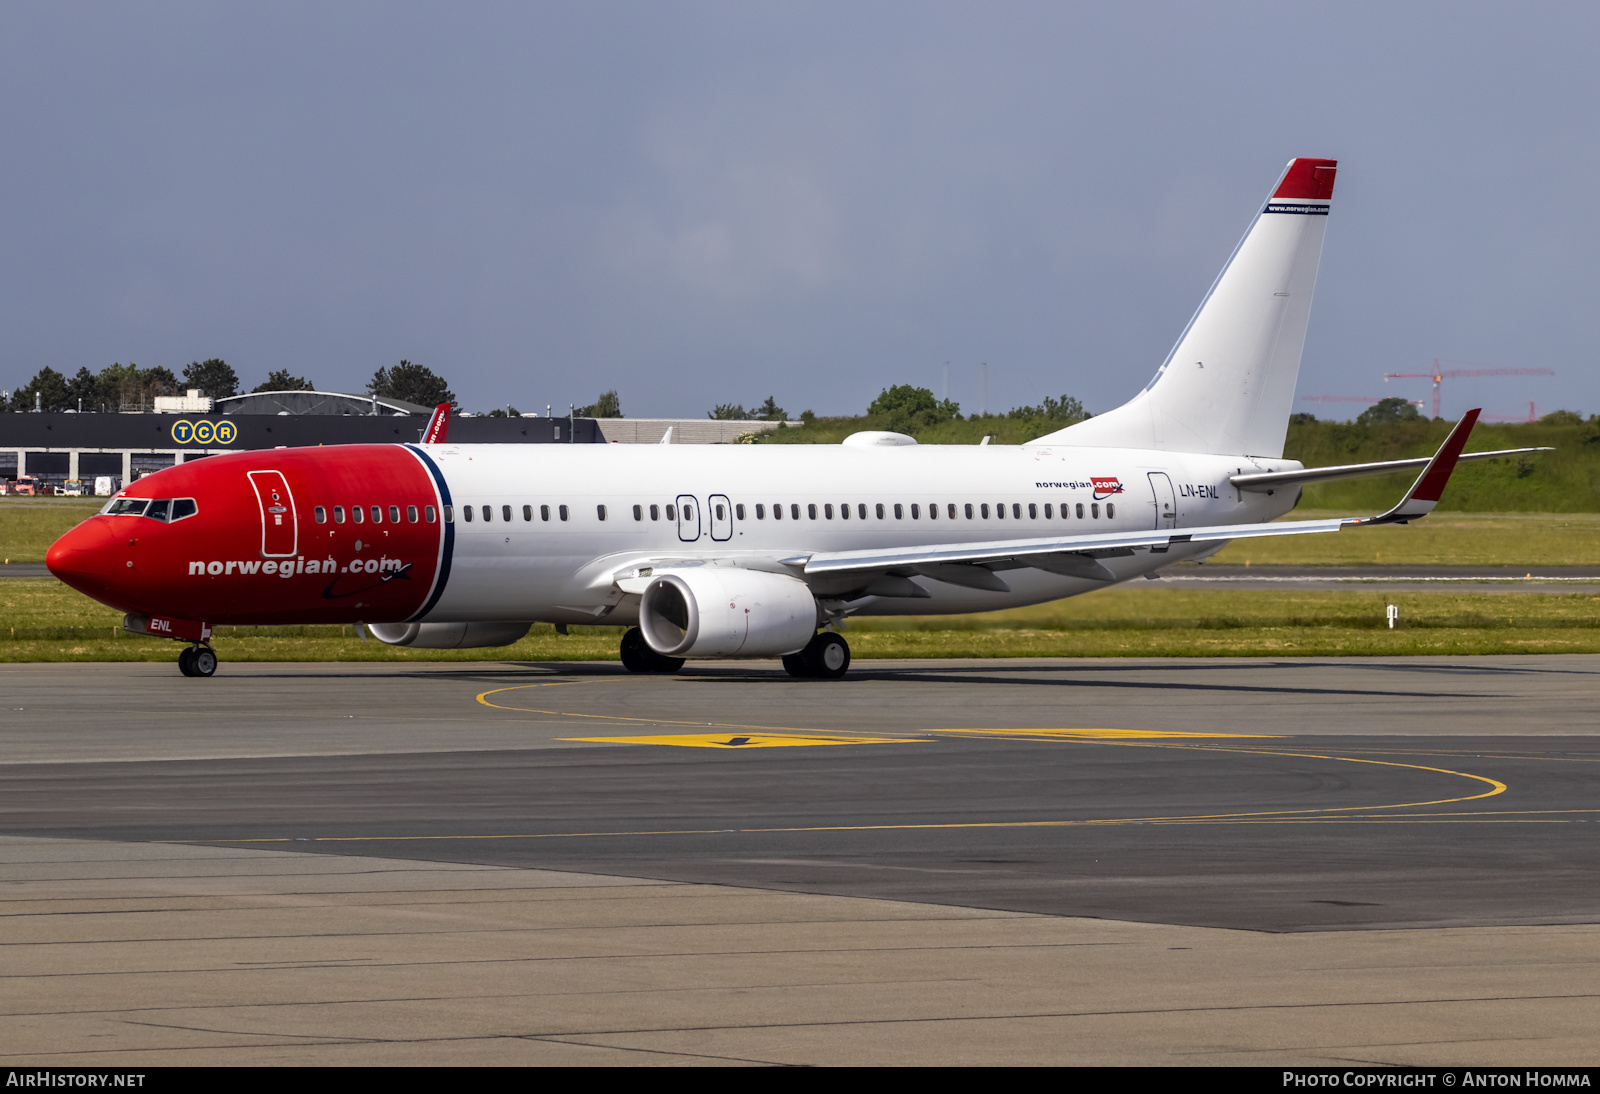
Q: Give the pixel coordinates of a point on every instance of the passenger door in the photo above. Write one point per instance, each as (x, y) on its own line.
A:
(1166, 501)
(279, 529)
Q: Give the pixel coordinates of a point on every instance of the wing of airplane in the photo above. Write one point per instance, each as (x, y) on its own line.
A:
(1076, 556)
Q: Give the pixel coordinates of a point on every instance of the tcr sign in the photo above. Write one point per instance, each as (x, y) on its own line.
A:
(203, 432)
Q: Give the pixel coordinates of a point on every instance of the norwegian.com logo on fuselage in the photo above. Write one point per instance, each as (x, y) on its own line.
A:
(1105, 488)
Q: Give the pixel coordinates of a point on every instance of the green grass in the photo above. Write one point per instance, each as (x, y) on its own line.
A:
(1442, 539)
(28, 526)
(43, 620)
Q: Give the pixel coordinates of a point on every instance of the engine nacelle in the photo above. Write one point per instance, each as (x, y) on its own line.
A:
(448, 636)
(726, 611)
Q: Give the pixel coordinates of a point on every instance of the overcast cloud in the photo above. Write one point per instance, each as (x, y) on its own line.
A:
(704, 203)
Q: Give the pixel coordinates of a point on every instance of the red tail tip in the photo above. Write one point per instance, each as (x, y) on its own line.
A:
(1308, 179)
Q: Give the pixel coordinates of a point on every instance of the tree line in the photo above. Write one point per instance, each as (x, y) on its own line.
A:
(128, 388)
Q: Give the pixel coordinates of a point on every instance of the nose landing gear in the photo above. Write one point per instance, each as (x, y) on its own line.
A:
(197, 661)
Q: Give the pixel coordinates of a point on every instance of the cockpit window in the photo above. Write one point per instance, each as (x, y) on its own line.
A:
(162, 509)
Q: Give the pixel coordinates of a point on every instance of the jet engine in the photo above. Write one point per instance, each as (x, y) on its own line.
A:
(726, 611)
(448, 636)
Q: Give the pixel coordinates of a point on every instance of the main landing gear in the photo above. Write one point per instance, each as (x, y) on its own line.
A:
(826, 657)
(637, 656)
(197, 661)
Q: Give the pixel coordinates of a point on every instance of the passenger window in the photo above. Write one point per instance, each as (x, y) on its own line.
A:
(811, 511)
(600, 511)
(394, 514)
(861, 510)
(899, 513)
(1111, 510)
(377, 514)
(933, 511)
(322, 515)
(1033, 511)
(738, 511)
(721, 512)
(827, 510)
(1016, 509)
(688, 512)
(655, 512)
(505, 513)
(672, 512)
(985, 510)
(411, 514)
(338, 514)
(1080, 510)
(777, 512)
(430, 514)
(466, 513)
(794, 511)
(1047, 513)
(1000, 511)
(1094, 509)
(969, 510)
(844, 511)
(488, 513)
(184, 507)
(562, 509)
(880, 510)
(358, 514)
(761, 511)
(638, 512)
(952, 510)
(527, 512)
(916, 511)
(544, 512)
(449, 514)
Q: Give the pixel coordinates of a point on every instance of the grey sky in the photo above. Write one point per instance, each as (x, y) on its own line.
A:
(700, 203)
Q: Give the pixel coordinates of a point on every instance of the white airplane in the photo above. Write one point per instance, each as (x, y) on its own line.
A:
(747, 551)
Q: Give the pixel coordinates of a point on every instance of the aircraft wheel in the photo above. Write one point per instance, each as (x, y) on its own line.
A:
(637, 656)
(664, 665)
(186, 661)
(635, 651)
(827, 656)
(795, 665)
(203, 661)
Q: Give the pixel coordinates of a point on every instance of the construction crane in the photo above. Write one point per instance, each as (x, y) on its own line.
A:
(1438, 374)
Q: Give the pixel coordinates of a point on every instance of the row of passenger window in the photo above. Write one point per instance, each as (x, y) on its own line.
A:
(978, 511)
(358, 514)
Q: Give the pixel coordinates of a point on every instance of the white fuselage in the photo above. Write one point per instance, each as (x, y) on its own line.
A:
(549, 569)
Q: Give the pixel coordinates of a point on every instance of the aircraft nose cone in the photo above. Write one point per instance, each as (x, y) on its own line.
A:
(82, 557)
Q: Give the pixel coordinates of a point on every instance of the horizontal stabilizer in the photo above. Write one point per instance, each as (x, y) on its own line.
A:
(1262, 482)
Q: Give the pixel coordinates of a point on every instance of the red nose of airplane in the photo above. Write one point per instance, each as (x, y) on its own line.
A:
(82, 557)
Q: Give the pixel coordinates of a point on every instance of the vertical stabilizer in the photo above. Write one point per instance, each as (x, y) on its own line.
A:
(1228, 385)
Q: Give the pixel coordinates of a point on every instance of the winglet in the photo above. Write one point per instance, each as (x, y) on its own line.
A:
(1429, 487)
(438, 425)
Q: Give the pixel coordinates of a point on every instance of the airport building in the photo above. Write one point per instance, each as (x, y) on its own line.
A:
(57, 448)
